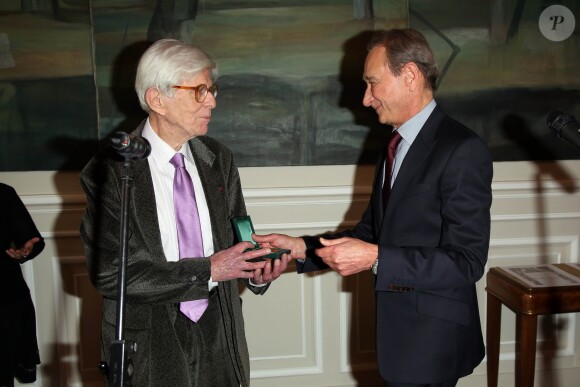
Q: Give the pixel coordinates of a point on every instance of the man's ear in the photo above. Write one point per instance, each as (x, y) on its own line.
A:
(412, 75)
(155, 100)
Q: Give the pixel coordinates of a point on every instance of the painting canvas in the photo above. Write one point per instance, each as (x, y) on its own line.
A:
(290, 72)
(500, 75)
(48, 110)
(290, 75)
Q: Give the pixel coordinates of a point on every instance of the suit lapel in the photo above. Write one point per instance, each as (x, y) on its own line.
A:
(415, 158)
(213, 187)
(377, 197)
(144, 207)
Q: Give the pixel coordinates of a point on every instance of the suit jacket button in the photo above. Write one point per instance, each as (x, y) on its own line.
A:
(193, 278)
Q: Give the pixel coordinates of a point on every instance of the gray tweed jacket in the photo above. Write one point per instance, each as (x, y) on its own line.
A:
(154, 285)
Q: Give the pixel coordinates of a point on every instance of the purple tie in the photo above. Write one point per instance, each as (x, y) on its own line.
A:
(391, 152)
(188, 228)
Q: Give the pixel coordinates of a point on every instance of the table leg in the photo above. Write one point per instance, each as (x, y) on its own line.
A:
(526, 330)
(493, 331)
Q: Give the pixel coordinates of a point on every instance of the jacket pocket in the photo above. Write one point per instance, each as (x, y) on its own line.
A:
(443, 308)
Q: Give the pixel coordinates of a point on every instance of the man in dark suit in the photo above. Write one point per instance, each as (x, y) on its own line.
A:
(175, 87)
(426, 239)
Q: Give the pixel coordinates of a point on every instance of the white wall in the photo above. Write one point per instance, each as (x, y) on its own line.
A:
(312, 330)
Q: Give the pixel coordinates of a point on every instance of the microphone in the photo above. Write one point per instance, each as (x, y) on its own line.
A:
(564, 126)
(131, 146)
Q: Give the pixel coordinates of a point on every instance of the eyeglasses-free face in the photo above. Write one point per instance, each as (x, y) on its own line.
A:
(200, 91)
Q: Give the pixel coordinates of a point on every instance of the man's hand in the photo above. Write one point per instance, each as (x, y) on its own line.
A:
(22, 253)
(272, 270)
(348, 255)
(297, 246)
(232, 263)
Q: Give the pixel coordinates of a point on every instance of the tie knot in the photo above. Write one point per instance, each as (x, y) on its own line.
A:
(394, 140)
(177, 160)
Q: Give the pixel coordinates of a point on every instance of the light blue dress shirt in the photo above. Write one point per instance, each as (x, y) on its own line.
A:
(409, 131)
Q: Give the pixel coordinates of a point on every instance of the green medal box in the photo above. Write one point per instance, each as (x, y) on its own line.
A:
(244, 229)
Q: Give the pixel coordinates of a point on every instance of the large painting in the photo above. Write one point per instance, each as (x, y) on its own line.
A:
(290, 72)
(290, 75)
(48, 110)
(503, 73)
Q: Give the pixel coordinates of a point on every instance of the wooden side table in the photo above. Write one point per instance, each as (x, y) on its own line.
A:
(527, 302)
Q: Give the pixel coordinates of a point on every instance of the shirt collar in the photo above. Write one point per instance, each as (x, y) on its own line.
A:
(161, 152)
(410, 129)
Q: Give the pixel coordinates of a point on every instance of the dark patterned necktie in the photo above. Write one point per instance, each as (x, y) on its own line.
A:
(188, 228)
(391, 152)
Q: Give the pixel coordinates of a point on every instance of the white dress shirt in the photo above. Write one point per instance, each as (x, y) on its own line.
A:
(162, 173)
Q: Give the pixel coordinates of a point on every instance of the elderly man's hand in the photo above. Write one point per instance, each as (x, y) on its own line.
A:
(272, 270)
(233, 263)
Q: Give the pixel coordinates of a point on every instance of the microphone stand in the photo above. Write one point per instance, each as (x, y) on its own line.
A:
(120, 370)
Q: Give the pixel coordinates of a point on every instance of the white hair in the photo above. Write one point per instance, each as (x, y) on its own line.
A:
(168, 62)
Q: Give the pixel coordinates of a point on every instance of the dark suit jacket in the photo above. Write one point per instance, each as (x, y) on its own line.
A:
(154, 285)
(433, 239)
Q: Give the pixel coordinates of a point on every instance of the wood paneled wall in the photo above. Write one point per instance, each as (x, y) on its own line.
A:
(308, 330)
